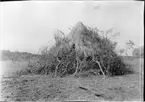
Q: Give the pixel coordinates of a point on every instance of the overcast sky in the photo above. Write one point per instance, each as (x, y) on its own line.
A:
(29, 25)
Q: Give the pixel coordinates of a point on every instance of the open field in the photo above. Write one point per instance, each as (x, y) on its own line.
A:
(43, 88)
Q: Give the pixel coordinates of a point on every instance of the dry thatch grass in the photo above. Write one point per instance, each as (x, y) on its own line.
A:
(83, 50)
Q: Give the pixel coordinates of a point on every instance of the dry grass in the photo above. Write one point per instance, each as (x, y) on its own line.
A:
(83, 49)
(45, 88)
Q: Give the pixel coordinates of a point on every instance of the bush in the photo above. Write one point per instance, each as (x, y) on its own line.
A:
(138, 52)
(82, 50)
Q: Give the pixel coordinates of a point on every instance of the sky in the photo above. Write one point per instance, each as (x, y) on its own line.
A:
(29, 25)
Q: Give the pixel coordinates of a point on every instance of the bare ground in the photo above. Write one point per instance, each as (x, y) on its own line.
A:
(42, 88)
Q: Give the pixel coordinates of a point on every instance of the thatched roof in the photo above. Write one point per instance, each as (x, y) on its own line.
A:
(83, 39)
(78, 51)
(77, 33)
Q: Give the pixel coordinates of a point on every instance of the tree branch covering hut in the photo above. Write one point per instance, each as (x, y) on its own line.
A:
(83, 50)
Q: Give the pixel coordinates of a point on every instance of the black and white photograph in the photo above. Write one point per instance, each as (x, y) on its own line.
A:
(71, 51)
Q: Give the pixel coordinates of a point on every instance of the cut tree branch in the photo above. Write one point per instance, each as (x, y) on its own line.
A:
(57, 67)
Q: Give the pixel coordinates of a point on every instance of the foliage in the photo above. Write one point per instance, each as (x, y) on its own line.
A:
(16, 56)
(138, 52)
(85, 51)
(130, 45)
(121, 51)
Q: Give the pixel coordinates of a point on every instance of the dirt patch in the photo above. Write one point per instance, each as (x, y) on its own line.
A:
(34, 88)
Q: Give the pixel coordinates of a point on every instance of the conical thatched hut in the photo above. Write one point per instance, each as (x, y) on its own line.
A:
(82, 50)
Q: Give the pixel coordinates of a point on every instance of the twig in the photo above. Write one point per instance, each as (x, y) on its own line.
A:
(65, 70)
(86, 89)
(99, 65)
(57, 67)
(100, 68)
(76, 68)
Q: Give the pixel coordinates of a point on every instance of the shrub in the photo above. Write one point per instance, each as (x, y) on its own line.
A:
(82, 50)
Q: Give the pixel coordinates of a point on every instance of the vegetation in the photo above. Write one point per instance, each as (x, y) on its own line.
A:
(16, 56)
(138, 52)
(83, 50)
(130, 45)
(121, 51)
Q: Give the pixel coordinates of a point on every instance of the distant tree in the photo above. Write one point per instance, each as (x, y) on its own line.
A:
(121, 51)
(130, 45)
(138, 52)
(142, 51)
(15, 56)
